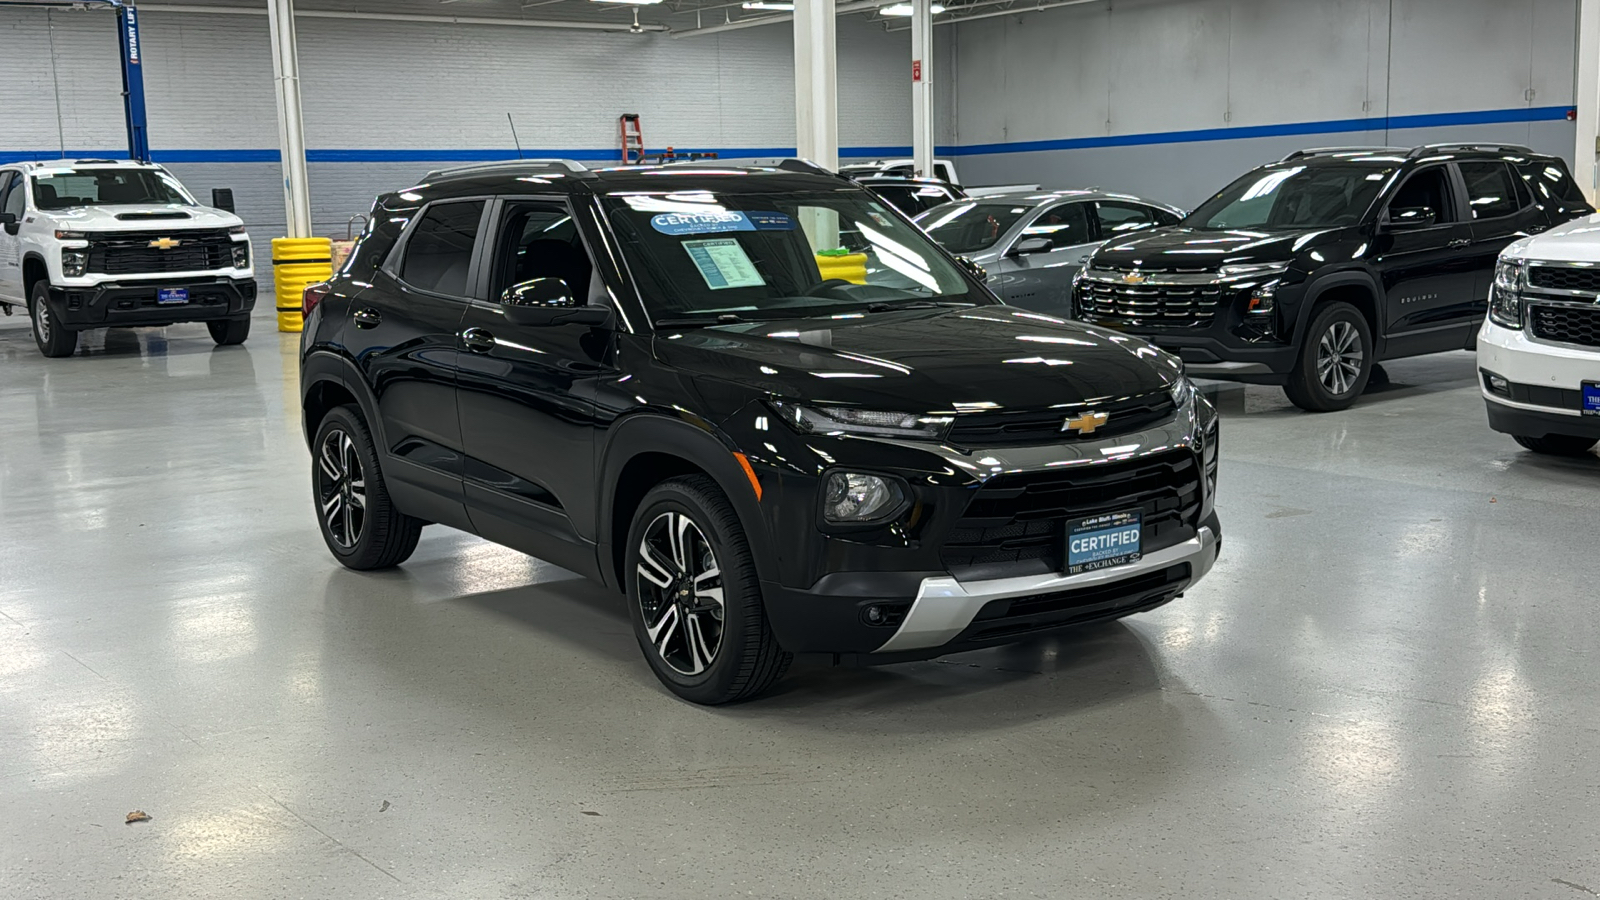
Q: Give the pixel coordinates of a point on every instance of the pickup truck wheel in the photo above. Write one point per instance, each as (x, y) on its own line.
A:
(227, 332)
(1557, 444)
(1335, 360)
(54, 339)
(694, 597)
(360, 524)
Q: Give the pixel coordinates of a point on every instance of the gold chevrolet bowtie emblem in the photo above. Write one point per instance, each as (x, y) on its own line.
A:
(165, 243)
(1134, 278)
(1086, 423)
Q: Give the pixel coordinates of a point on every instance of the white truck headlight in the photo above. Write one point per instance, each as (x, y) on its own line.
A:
(1505, 297)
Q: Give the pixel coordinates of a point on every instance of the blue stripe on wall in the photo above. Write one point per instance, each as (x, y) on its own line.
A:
(1334, 126)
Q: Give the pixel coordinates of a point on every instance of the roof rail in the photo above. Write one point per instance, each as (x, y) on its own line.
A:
(570, 165)
(787, 164)
(1332, 151)
(1425, 149)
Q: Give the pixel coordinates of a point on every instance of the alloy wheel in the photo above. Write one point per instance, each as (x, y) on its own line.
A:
(41, 322)
(680, 593)
(341, 489)
(1339, 357)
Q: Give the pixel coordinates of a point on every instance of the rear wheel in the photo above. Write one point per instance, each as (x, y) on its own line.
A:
(229, 331)
(54, 339)
(1557, 444)
(360, 524)
(1335, 360)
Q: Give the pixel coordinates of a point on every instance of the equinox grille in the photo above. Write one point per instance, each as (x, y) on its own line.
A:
(1190, 305)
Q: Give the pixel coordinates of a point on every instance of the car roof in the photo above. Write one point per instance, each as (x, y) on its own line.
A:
(1039, 198)
(96, 163)
(1318, 156)
(565, 176)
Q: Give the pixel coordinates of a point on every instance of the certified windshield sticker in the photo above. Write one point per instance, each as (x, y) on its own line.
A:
(723, 263)
(771, 221)
(701, 222)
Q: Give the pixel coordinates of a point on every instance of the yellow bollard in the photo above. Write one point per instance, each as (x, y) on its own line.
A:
(297, 262)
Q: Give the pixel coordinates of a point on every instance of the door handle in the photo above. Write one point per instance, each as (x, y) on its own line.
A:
(1460, 242)
(477, 340)
(367, 318)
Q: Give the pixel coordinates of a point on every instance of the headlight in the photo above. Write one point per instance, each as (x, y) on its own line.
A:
(241, 255)
(1240, 271)
(1505, 298)
(843, 420)
(855, 498)
(74, 263)
(1263, 299)
(1182, 391)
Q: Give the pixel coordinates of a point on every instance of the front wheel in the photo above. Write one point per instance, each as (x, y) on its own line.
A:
(360, 524)
(694, 597)
(1557, 444)
(54, 339)
(1335, 360)
(227, 332)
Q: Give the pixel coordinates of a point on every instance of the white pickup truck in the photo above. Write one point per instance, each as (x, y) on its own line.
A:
(943, 169)
(92, 243)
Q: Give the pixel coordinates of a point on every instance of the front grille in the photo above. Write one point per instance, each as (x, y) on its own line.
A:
(131, 253)
(1000, 429)
(1038, 612)
(1181, 305)
(1567, 324)
(1564, 278)
(1021, 518)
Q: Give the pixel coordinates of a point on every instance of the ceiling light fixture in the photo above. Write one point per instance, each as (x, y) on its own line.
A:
(904, 9)
(628, 2)
(764, 4)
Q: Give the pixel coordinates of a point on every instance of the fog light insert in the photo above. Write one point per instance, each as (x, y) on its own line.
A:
(854, 498)
(885, 614)
(1496, 384)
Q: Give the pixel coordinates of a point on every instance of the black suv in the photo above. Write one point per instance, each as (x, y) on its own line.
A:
(1307, 271)
(760, 403)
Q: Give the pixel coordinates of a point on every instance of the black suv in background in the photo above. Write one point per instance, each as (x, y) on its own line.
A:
(1307, 271)
(759, 402)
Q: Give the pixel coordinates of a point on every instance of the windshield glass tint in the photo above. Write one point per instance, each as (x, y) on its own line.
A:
(762, 256)
(64, 189)
(1321, 196)
(972, 227)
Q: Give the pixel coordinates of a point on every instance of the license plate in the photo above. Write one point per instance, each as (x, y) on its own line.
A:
(1099, 542)
(1591, 398)
(172, 296)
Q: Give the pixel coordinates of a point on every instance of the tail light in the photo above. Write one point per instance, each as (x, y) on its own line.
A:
(314, 294)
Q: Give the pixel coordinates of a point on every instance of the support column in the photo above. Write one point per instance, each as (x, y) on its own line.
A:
(291, 121)
(922, 87)
(1587, 97)
(816, 83)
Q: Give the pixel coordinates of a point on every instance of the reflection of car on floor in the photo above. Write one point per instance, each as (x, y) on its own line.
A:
(912, 195)
(1034, 244)
(1539, 349)
(1307, 271)
(761, 404)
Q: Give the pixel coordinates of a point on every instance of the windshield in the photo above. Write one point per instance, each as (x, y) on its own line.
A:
(1321, 196)
(764, 256)
(67, 188)
(972, 227)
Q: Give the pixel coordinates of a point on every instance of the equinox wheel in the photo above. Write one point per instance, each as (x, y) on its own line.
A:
(694, 597)
(1335, 360)
(359, 523)
(54, 339)
(1557, 444)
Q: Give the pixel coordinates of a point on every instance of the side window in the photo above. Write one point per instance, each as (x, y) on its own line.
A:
(539, 240)
(1551, 181)
(942, 170)
(438, 254)
(1491, 189)
(1065, 225)
(13, 195)
(1117, 219)
(1164, 218)
(1426, 192)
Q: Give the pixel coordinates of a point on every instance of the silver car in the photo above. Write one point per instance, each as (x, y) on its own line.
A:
(1033, 243)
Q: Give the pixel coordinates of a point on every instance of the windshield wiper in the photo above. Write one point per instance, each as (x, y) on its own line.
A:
(699, 321)
(917, 304)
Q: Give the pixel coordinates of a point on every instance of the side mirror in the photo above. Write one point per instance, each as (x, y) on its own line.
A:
(222, 198)
(1032, 245)
(548, 301)
(1412, 217)
(9, 220)
(973, 269)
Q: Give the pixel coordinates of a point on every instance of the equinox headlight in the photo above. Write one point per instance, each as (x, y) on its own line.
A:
(1505, 298)
(854, 498)
(1239, 271)
(847, 420)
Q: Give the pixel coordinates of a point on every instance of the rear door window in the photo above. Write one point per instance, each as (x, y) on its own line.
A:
(438, 255)
(1118, 219)
(1491, 189)
(1065, 224)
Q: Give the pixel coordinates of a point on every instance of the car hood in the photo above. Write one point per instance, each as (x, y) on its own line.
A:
(1575, 241)
(141, 217)
(983, 358)
(1190, 248)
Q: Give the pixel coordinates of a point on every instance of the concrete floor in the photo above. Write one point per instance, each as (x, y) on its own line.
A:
(1385, 689)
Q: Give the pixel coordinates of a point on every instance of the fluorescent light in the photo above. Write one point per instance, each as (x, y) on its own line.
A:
(764, 4)
(904, 9)
(628, 2)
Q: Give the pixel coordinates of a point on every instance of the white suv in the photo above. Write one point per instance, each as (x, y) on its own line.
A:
(90, 243)
(1539, 350)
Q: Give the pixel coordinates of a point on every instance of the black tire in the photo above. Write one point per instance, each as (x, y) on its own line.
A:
(54, 339)
(670, 603)
(1335, 360)
(359, 522)
(1557, 444)
(227, 332)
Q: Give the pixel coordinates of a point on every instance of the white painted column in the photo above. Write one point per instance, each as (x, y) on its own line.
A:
(1588, 97)
(291, 119)
(816, 83)
(922, 87)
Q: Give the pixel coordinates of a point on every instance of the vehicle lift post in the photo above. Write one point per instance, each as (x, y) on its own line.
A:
(132, 81)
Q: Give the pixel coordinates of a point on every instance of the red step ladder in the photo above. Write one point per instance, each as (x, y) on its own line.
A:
(632, 139)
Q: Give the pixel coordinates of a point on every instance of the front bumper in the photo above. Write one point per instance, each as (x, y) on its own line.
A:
(134, 303)
(1543, 394)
